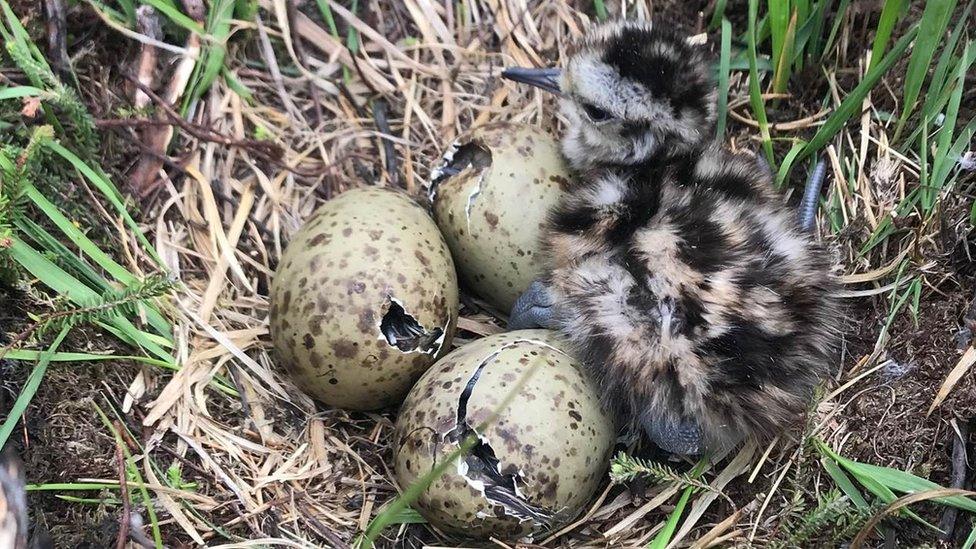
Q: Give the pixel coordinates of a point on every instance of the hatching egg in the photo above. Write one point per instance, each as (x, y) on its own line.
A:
(542, 439)
(490, 197)
(364, 300)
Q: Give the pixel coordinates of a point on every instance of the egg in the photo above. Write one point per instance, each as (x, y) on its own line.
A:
(364, 299)
(544, 441)
(490, 197)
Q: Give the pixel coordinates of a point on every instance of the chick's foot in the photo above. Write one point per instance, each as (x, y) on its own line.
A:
(533, 309)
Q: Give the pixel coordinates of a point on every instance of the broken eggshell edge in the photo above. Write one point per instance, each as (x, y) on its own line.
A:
(538, 462)
(490, 196)
(364, 300)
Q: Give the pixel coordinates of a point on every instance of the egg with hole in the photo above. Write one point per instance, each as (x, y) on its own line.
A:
(490, 197)
(542, 440)
(364, 299)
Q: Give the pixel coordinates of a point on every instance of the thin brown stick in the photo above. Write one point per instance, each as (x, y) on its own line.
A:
(57, 37)
(124, 488)
(391, 164)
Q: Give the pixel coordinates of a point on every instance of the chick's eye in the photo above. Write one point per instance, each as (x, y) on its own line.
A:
(595, 113)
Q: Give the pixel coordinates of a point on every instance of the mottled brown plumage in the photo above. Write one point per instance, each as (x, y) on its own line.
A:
(690, 289)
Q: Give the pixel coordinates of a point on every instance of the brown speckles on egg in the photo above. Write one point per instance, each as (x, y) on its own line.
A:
(344, 348)
(492, 220)
(331, 292)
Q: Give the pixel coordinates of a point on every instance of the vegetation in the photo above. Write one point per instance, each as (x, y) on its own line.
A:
(169, 293)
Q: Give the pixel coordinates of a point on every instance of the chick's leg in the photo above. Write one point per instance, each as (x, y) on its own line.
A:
(677, 437)
(533, 309)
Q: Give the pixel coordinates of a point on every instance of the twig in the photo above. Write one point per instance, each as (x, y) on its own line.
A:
(389, 151)
(124, 488)
(148, 24)
(322, 530)
(57, 37)
(245, 405)
(265, 150)
(958, 478)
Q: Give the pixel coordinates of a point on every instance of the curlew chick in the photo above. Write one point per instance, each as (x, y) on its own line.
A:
(698, 300)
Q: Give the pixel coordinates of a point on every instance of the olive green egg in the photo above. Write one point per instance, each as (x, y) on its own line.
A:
(490, 197)
(543, 440)
(364, 299)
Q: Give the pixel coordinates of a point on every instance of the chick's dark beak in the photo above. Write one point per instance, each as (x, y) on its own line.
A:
(547, 79)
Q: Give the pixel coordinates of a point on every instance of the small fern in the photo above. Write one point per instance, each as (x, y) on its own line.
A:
(119, 302)
(831, 523)
(62, 96)
(625, 468)
(19, 166)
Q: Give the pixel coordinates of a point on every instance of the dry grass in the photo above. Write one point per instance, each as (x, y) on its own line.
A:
(274, 468)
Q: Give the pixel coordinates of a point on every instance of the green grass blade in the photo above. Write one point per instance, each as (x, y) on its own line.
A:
(890, 14)
(784, 63)
(71, 486)
(219, 26)
(779, 18)
(838, 20)
(931, 29)
(28, 355)
(68, 286)
(129, 9)
(175, 15)
(46, 242)
(851, 105)
(663, 537)
(718, 14)
(783, 175)
(894, 479)
(942, 162)
(970, 539)
(843, 482)
(30, 389)
(237, 86)
(939, 89)
(328, 17)
(18, 92)
(755, 92)
(79, 239)
(109, 191)
(15, 31)
(723, 79)
(601, 10)
(95, 281)
(955, 151)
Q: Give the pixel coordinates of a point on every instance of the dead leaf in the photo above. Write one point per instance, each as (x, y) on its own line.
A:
(31, 106)
(965, 362)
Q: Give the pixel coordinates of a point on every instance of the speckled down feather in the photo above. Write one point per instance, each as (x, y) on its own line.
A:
(686, 283)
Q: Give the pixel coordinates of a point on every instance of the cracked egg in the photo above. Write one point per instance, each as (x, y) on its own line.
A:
(364, 300)
(535, 465)
(490, 197)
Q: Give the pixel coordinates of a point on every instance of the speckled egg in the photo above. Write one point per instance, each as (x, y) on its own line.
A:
(364, 300)
(490, 197)
(537, 462)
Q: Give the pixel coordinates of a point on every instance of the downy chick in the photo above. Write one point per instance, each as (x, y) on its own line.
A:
(692, 293)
